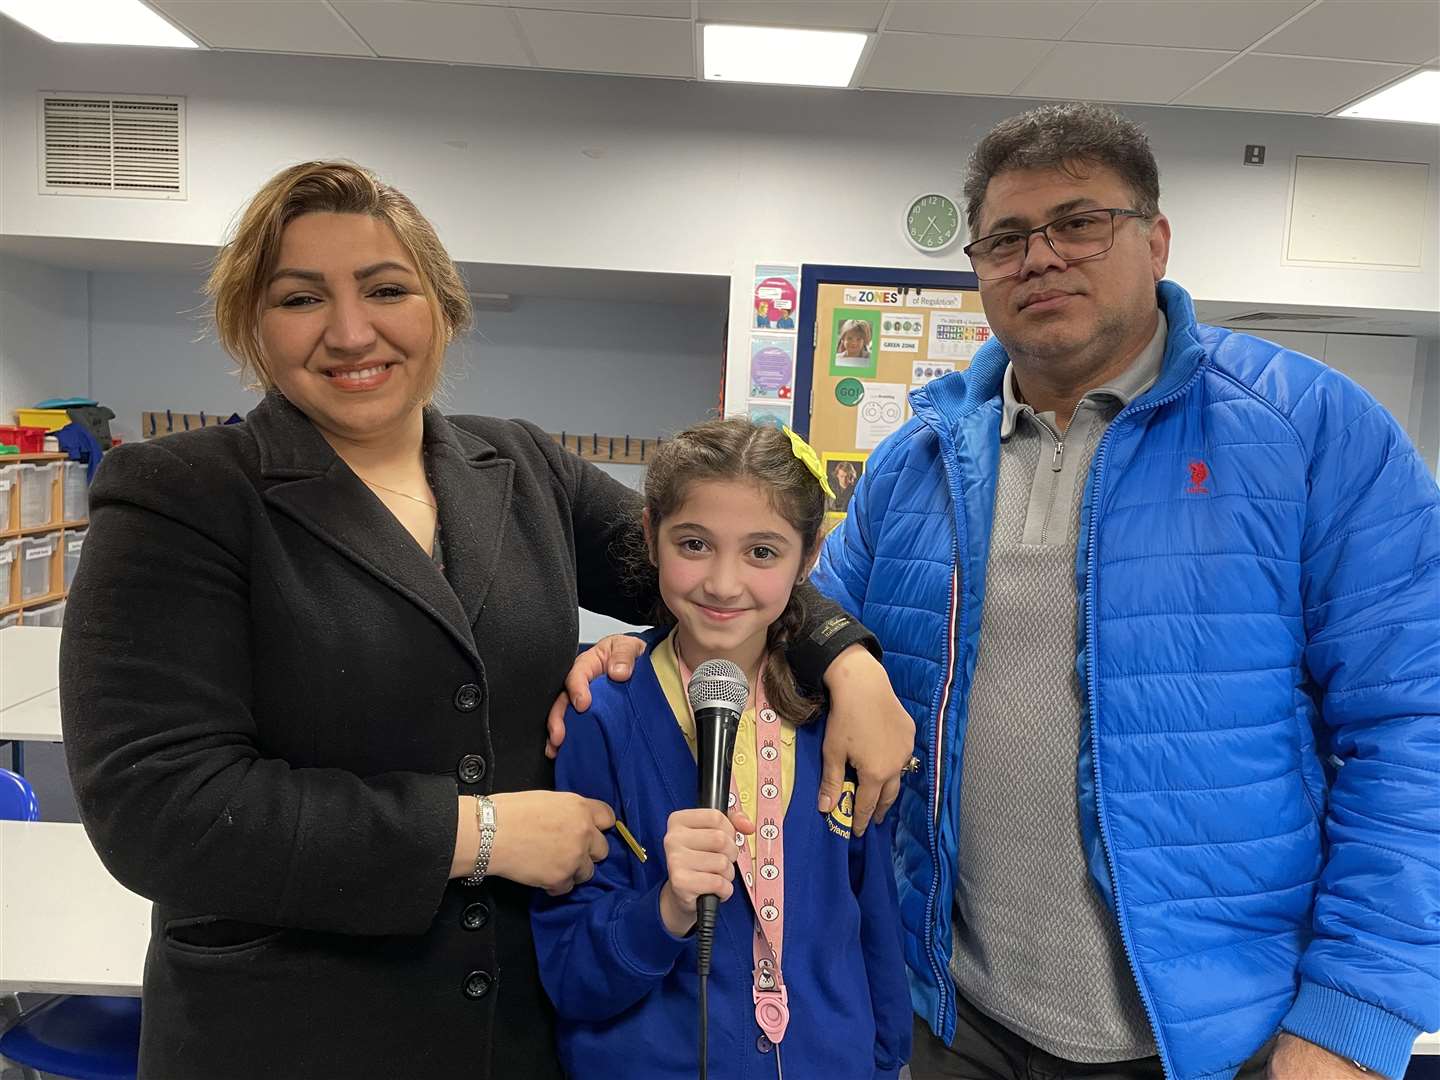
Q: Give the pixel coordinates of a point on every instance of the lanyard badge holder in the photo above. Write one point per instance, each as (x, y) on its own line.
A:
(765, 878)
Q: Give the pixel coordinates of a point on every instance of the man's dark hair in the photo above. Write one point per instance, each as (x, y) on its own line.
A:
(1062, 137)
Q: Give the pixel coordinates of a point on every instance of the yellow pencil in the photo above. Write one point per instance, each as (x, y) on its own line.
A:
(630, 841)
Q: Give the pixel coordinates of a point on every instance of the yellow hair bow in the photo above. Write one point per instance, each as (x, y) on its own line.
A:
(811, 460)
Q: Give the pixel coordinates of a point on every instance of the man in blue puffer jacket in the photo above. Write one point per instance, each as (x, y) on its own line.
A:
(1164, 603)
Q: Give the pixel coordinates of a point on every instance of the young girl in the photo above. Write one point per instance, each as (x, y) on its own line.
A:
(810, 925)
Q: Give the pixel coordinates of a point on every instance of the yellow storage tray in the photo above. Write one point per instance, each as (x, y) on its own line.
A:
(49, 419)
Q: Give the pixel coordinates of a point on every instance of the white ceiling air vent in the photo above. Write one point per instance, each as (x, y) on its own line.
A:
(95, 144)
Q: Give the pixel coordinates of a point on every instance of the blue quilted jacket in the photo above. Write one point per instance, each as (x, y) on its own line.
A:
(1259, 654)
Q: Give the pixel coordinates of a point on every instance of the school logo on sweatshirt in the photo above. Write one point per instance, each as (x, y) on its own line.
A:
(842, 817)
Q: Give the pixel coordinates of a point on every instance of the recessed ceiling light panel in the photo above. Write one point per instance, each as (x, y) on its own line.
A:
(96, 22)
(780, 54)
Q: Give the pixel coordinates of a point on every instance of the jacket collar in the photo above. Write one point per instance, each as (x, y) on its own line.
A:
(472, 485)
(945, 402)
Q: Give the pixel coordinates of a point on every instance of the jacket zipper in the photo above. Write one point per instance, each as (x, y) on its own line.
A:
(943, 696)
(1090, 571)
(1058, 459)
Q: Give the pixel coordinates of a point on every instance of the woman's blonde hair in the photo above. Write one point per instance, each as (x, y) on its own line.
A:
(238, 278)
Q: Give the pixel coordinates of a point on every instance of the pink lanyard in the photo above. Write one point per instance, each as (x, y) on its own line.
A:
(765, 877)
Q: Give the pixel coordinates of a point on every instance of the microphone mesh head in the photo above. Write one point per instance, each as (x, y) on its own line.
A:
(718, 684)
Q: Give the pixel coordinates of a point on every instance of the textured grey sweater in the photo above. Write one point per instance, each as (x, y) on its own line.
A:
(1035, 946)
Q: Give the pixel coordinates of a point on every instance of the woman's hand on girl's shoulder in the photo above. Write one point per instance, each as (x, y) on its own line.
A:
(614, 656)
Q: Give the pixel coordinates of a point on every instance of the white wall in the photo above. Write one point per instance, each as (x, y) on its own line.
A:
(140, 341)
(44, 329)
(688, 177)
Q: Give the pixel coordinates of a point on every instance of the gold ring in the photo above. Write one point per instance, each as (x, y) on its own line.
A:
(913, 765)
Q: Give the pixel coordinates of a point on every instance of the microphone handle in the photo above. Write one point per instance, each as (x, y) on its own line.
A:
(715, 730)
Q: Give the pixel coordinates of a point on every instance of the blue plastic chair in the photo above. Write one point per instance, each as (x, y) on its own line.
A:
(79, 1036)
(17, 798)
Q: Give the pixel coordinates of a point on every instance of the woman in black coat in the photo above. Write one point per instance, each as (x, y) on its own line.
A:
(305, 667)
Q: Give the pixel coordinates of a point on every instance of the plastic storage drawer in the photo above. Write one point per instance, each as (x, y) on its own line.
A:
(9, 552)
(9, 477)
(34, 559)
(77, 492)
(37, 495)
(49, 615)
(9, 620)
(73, 542)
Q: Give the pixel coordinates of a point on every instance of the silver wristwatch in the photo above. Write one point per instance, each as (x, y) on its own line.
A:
(485, 822)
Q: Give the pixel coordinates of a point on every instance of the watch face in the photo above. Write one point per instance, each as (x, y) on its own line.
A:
(932, 223)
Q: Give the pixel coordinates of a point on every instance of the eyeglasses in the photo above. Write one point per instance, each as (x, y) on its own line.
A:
(1074, 237)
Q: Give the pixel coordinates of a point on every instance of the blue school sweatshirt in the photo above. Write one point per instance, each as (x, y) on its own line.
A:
(626, 990)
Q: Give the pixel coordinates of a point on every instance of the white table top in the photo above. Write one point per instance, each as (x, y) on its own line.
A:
(36, 720)
(29, 663)
(66, 926)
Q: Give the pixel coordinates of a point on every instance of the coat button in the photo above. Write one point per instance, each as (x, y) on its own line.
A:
(477, 984)
(475, 917)
(471, 769)
(763, 1044)
(467, 698)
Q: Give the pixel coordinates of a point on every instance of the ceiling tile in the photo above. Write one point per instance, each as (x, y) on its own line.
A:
(1136, 73)
(1204, 24)
(1037, 19)
(299, 26)
(616, 44)
(954, 65)
(1290, 84)
(824, 14)
(1402, 31)
(451, 33)
(658, 9)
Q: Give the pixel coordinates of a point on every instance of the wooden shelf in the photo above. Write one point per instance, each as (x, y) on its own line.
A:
(10, 573)
(39, 601)
(6, 459)
(36, 530)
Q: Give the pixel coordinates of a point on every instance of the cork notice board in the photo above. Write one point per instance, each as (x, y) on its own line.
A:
(873, 345)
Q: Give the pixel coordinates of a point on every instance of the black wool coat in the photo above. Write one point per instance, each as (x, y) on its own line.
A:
(271, 697)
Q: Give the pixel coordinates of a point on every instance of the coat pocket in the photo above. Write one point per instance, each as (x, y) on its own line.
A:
(208, 935)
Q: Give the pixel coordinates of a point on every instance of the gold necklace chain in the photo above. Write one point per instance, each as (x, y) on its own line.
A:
(403, 495)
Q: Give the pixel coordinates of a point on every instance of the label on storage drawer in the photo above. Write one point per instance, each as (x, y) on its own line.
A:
(74, 546)
(38, 553)
(7, 556)
(5, 485)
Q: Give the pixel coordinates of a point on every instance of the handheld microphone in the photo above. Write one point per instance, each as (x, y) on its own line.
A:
(718, 693)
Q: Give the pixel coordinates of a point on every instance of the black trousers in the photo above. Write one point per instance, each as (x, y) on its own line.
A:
(985, 1049)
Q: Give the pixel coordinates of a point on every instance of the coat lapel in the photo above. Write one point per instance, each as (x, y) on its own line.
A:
(472, 485)
(311, 484)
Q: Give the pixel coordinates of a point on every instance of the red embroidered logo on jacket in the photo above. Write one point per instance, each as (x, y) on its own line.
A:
(1199, 473)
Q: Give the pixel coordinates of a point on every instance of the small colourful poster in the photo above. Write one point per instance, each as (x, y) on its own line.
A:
(772, 366)
(777, 296)
(880, 413)
(956, 335)
(776, 414)
(853, 331)
(925, 371)
(843, 470)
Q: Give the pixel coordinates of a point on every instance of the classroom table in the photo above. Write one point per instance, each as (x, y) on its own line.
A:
(29, 682)
(66, 925)
(29, 663)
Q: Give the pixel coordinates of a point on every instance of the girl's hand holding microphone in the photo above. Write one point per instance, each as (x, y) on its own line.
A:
(700, 853)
